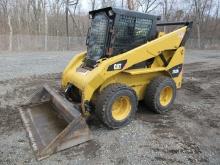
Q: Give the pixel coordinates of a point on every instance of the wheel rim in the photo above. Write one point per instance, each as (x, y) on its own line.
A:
(121, 108)
(166, 95)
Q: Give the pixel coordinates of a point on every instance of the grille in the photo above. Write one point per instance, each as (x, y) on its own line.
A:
(130, 33)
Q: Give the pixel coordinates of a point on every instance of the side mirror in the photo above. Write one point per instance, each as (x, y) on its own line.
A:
(88, 36)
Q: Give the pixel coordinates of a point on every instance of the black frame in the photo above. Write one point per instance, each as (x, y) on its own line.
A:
(106, 35)
(114, 16)
(188, 30)
(174, 23)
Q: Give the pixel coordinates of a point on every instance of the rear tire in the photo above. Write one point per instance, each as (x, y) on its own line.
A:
(116, 105)
(160, 94)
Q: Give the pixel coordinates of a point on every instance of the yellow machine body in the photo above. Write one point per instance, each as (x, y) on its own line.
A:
(89, 81)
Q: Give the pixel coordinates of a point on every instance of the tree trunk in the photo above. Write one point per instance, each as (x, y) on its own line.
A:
(198, 35)
(19, 27)
(57, 20)
(67, 23)
(75, 24)
(11, 33)
(130, 4)
(27, 17)
(93, 4)
(46, 26)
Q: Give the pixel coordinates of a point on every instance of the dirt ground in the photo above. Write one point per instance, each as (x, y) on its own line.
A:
(188, 134)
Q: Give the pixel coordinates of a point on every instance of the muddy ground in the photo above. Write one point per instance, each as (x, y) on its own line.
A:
(188, 134)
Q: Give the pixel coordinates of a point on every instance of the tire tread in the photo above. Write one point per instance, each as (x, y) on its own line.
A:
(152, 88)
(103, 99)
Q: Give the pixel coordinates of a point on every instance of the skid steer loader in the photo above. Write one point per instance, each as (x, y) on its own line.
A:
(127, 60)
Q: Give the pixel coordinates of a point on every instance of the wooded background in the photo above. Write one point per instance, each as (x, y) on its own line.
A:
(62, 24)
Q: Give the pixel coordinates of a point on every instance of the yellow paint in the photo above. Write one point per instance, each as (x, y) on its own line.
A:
(160, 34)
(166, 95)
(145, 70)
(178, 58)
(121, 108)
(90, 81)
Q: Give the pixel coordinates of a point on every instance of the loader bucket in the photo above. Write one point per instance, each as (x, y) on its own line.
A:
(52, 123)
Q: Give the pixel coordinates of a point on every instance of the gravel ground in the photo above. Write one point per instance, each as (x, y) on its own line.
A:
(188, 134)
(17, 65)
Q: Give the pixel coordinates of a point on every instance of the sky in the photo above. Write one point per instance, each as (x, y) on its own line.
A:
(85, 5)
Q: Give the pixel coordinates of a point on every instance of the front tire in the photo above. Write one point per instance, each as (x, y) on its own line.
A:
(116, 105)
(160, 94)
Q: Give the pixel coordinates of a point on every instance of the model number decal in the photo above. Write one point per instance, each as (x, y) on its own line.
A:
(176, 70)
(117, 66)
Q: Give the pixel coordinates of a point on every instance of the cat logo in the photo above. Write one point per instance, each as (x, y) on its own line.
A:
(117, 66)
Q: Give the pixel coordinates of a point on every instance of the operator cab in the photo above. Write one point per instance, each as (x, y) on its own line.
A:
(114, 31)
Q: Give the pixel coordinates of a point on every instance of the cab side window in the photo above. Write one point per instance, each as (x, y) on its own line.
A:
(142, 30)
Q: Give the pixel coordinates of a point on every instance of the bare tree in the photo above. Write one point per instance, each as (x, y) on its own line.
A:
(45, 26)
(122, 4)
(18, 13)
(37, 11)
(131, 4)
(148, 5)
(11, 32)
(167, 8)
(69, 4)
(67, 21)
(107, 3)
(64, 17)
(5, 4)
(217, 15)
(93, 4)
(199, 8)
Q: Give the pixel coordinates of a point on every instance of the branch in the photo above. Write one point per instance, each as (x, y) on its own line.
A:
(74, 21)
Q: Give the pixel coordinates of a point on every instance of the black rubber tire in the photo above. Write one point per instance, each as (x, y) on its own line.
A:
(106, 98)
(152, 94)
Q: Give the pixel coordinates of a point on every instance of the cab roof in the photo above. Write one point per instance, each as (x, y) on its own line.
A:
(124, 12)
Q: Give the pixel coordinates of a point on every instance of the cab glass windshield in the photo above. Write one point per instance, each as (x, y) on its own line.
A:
(97, 37)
